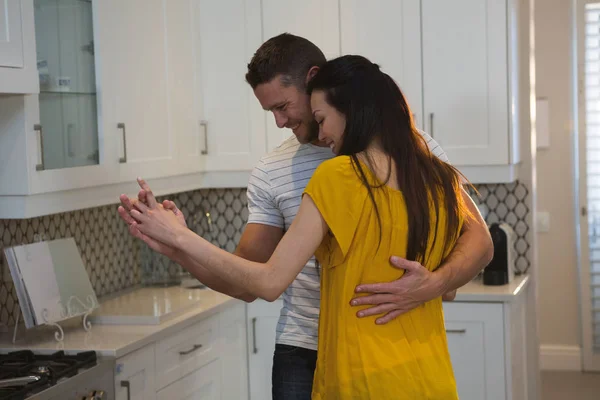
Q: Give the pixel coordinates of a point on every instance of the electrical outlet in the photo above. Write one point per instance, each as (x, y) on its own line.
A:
(543, 221)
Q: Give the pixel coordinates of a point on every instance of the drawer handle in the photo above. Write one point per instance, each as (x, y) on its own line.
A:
(123, 159)
(456, 331)
(127, 386)
(431, 125)
(40, 166)
(185, 353)
(204, 124)
(254, 348)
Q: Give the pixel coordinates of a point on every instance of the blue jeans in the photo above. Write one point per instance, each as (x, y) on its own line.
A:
(293, 372)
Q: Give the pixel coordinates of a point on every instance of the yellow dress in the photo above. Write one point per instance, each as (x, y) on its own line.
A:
(406, 359)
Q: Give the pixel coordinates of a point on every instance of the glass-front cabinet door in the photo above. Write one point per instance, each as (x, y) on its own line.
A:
(67, 99)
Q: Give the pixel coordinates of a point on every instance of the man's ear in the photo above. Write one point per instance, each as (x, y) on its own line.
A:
(311, 74)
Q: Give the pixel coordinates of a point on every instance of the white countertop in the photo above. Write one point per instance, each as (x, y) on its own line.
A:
(476, 291)
(173, 309)
(147, 305)
(116, 340)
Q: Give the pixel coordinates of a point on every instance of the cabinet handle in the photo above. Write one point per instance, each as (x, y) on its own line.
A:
(69, 140)
(204, 124)
(38, 128)
(127, 386)
(431, 124)
(185, 353)
(123, 159)
(456, 331)
(254, 348)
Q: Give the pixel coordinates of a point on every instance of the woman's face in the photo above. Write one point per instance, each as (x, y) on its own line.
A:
(331, 122)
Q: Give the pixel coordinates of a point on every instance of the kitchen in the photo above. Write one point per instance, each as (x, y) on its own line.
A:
(74, 133)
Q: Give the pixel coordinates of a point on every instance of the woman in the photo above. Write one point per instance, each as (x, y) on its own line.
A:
(385, 194)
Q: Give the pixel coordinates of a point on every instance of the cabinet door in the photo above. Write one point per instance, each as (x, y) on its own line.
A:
(315, 20)
(134, 84)
(134, 375)
(475, 335)
(234, 354)
(262, 324)
(229, 129)
(465, 79)
(202, 384)
(11, 36)
(387, 33)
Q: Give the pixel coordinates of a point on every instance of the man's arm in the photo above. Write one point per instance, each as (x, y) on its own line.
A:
(473, 251)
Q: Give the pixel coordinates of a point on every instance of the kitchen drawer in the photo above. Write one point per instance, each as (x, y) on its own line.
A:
(186, 351)
(203, 384)
(475, 333)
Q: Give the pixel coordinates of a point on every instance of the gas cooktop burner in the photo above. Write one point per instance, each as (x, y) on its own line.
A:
(23, 373)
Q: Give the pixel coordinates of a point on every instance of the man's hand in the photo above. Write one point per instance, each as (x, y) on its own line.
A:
(146, 197)
(417, 286)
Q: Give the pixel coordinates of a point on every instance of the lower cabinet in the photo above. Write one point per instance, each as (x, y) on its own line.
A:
(202, 384)
(204, 361)
(487, 344)
(486, 341)
(475, 335)
(135, 376)
(262, 327)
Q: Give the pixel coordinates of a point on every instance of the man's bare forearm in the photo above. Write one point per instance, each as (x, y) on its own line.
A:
(473, 251)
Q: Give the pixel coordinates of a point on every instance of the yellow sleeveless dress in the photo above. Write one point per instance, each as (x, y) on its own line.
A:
(406, 359)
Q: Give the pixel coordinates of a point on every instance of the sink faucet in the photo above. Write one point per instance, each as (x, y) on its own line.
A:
(208, 220)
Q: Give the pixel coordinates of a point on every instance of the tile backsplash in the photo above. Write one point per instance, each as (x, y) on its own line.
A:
(115, 261)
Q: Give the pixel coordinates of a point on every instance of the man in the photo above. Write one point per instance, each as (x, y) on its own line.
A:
(278, 74)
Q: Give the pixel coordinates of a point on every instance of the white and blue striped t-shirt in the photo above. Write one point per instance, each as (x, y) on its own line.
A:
(274, 195)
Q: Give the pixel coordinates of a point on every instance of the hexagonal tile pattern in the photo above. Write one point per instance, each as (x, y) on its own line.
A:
(506, 203)
(115, 261)
(228, 210)
(103, 242)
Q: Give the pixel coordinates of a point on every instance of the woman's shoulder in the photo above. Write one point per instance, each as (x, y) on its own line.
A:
(340, 166)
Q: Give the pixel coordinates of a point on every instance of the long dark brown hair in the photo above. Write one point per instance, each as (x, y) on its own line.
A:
(375, 109)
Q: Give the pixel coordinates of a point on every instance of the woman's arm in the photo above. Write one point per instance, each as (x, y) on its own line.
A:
(266, 280)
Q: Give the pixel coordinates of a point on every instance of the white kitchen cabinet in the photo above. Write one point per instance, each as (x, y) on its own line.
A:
(475, 335)
(206, 360)
(465, 79)
(456, 63)
(486, 329)
(11, 37)
(132, 52)
(186, 351)
(262, 324)
(385, 32)
(315, 20)
(135, 376)
(234, 361)
(17, 49)
(227, 120)
(153, 64)
(487, 340)
(202, 384)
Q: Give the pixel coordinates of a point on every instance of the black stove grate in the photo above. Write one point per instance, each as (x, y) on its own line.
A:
(50, 368)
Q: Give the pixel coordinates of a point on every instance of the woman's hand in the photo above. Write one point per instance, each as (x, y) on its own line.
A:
(158, 223)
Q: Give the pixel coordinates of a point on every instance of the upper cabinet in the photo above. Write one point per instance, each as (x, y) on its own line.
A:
(128, 89)
(11, 35)
(133, 55)
(315, 20)
(17, 47)
(456, 63)
(465, 79)
(387, 33)
(156, 88)
(231, 122)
